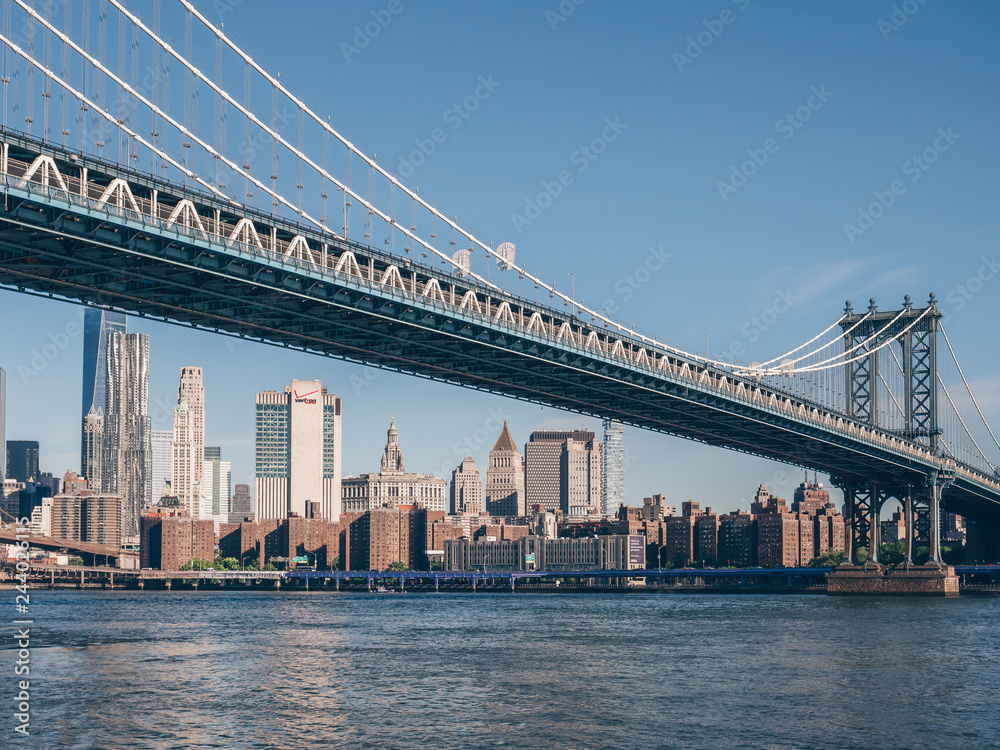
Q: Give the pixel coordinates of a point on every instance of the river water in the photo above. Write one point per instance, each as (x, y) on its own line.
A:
(240, 670)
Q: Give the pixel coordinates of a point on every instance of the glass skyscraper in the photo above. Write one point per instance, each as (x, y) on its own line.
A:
(614, 466)
(97, 324)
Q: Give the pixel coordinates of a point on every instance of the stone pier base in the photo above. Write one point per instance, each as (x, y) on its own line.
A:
(871, 579)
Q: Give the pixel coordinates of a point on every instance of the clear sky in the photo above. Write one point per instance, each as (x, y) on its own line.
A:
(738, 141)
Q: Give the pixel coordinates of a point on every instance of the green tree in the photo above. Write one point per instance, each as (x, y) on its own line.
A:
(436, 565)
(861, 555)
(396, 567)
(829, 559)
(75, 561)
(892, 553)
(227, 563)
(921, 555)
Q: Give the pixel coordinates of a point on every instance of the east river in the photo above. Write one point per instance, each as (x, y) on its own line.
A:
(240, 670)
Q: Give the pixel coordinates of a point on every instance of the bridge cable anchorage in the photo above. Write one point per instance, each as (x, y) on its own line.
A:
(110, 118)
(967, 386)
(275, 81)
(180, 127)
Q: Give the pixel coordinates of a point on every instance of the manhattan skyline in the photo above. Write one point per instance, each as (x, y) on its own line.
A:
(643, 227)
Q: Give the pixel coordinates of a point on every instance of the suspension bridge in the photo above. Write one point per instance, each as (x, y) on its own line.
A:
(158, 200)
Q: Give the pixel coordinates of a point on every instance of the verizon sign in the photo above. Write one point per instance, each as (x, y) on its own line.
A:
(309, 397)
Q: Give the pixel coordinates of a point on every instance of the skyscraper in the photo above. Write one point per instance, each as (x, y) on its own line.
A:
(563, 471)
(614, 466)
(162, 446)
(93, 447)
(3, 422)
(97, 324)
(22, 460)
(466, 489)
(193, 391)
(297, 451)
(505, 495)
(218, 485)
(126, 466)
(182, 482)
(242, 505)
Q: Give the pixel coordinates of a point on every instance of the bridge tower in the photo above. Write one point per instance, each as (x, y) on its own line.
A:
(914, 332)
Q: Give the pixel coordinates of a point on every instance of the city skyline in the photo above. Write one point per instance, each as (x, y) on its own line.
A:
(744, 274)
(478, 443)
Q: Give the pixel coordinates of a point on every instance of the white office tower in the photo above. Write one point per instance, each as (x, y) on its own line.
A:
(126, 466)
(466, 489)
(218, 486)
(192, 390)
(614, 466)
(297, 451)
(182, 461)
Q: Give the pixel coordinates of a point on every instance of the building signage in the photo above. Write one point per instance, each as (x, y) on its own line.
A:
(303, 398)
(637, 551)
(530, 558)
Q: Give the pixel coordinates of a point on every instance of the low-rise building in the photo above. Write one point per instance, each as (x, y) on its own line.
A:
(611, 552)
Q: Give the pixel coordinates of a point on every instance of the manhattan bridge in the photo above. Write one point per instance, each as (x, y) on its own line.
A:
(141, 177)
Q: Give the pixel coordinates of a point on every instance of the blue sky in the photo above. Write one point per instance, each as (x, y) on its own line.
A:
(737, 139)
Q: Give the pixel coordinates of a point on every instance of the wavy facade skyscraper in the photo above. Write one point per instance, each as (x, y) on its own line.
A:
(126, 452)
